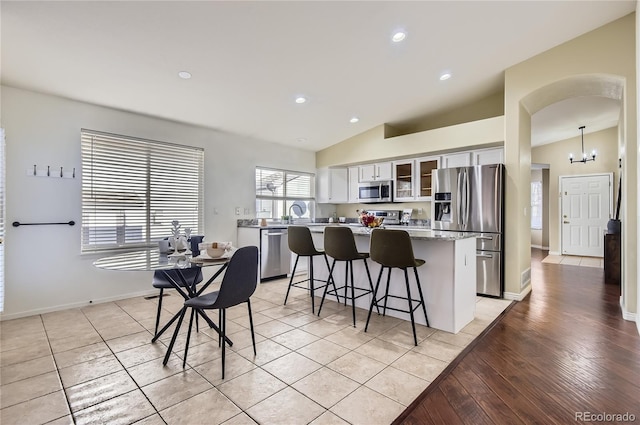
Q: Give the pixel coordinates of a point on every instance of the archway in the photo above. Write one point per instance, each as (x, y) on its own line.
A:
(603, 85)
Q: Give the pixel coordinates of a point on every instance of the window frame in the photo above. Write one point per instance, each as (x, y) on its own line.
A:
(536, 205)
(100, 169)
(285, 200)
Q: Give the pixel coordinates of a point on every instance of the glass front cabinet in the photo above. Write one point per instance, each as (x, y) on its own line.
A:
(424, 166)
(404, 185)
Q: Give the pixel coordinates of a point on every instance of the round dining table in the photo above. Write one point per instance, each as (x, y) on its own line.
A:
(152, 260)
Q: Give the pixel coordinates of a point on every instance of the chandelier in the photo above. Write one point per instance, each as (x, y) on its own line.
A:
(585, 157)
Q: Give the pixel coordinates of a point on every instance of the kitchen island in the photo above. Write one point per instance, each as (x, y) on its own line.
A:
(448, 278)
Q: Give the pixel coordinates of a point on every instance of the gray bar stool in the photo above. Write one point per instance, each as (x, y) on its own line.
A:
(340, 245)
(392, 249)
(301, 244)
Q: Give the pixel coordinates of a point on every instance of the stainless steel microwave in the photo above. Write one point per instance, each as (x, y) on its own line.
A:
(374, 192)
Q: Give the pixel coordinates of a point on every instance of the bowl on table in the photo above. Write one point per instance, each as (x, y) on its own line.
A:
(213, 249)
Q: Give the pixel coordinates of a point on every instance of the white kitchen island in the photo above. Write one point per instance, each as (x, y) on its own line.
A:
(448, 278)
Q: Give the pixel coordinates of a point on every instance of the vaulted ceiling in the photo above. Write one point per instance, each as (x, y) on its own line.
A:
(249, 61)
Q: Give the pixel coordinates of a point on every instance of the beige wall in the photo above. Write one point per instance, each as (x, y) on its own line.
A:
(488, 107)
(605, 142)
(349, 210)
(637, 118)
(372, 146)
(601, 62)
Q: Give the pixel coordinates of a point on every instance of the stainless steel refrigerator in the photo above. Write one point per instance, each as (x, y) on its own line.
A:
(471, 199)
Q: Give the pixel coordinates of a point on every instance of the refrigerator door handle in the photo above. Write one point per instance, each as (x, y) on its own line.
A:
(468, 198)
(459, 197)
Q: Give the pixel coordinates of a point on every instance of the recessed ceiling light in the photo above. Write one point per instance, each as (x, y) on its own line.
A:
(354, 120)
(398, 36)
(301, 99)
(301, 140)
(184, 75)
(445, 76)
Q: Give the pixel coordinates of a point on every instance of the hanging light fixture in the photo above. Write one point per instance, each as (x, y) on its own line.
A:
(585, 157)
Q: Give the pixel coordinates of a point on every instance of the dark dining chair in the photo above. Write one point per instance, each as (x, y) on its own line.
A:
(181, 277)
(239, 283)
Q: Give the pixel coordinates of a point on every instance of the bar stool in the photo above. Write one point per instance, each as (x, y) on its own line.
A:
(392, 249)
(340, 245)
(301, 244)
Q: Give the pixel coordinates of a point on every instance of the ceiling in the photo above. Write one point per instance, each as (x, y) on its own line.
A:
(250, 60)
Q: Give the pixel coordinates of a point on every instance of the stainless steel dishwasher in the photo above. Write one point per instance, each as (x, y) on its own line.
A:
(275, 257)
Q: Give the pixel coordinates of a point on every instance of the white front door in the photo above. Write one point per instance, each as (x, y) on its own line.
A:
(586, 208)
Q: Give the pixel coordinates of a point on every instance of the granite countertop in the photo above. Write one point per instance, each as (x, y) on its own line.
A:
(414, 232)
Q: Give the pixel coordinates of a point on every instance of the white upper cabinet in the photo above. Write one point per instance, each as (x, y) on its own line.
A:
(488, 156)
(322, 185)
(354, 193)
(332, 186)
(459, 159)
(385, 171)
(405, 180)
(375, 172)
(424, 167)
(413, 179)
(338, 186)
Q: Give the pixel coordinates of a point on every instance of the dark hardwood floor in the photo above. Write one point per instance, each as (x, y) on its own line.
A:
(562, 350)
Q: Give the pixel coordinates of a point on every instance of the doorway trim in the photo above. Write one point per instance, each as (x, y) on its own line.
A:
(566, 176)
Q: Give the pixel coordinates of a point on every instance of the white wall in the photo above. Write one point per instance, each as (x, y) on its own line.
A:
(44, 269)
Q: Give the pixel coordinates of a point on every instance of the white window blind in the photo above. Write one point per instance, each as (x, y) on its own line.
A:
(133, 188)
(278, 190)
(2, 215)
(536, 205)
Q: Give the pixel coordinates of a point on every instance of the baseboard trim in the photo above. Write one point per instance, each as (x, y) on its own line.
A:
(544, 248)
(37, 311)
(518, 296)
(554, 253)
(627, 315)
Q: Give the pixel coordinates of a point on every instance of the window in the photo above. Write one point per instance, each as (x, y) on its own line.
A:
(280, 192)
(536, 205)
(133, 188)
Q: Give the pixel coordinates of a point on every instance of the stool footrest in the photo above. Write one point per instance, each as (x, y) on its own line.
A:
(335, 293)
(299, 283)
(418, 303)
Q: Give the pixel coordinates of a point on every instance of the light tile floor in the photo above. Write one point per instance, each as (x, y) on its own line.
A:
(573, 260)
(97, 365)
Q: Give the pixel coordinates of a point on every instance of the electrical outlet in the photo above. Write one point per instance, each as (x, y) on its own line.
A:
(237, 210)
(420, 211)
